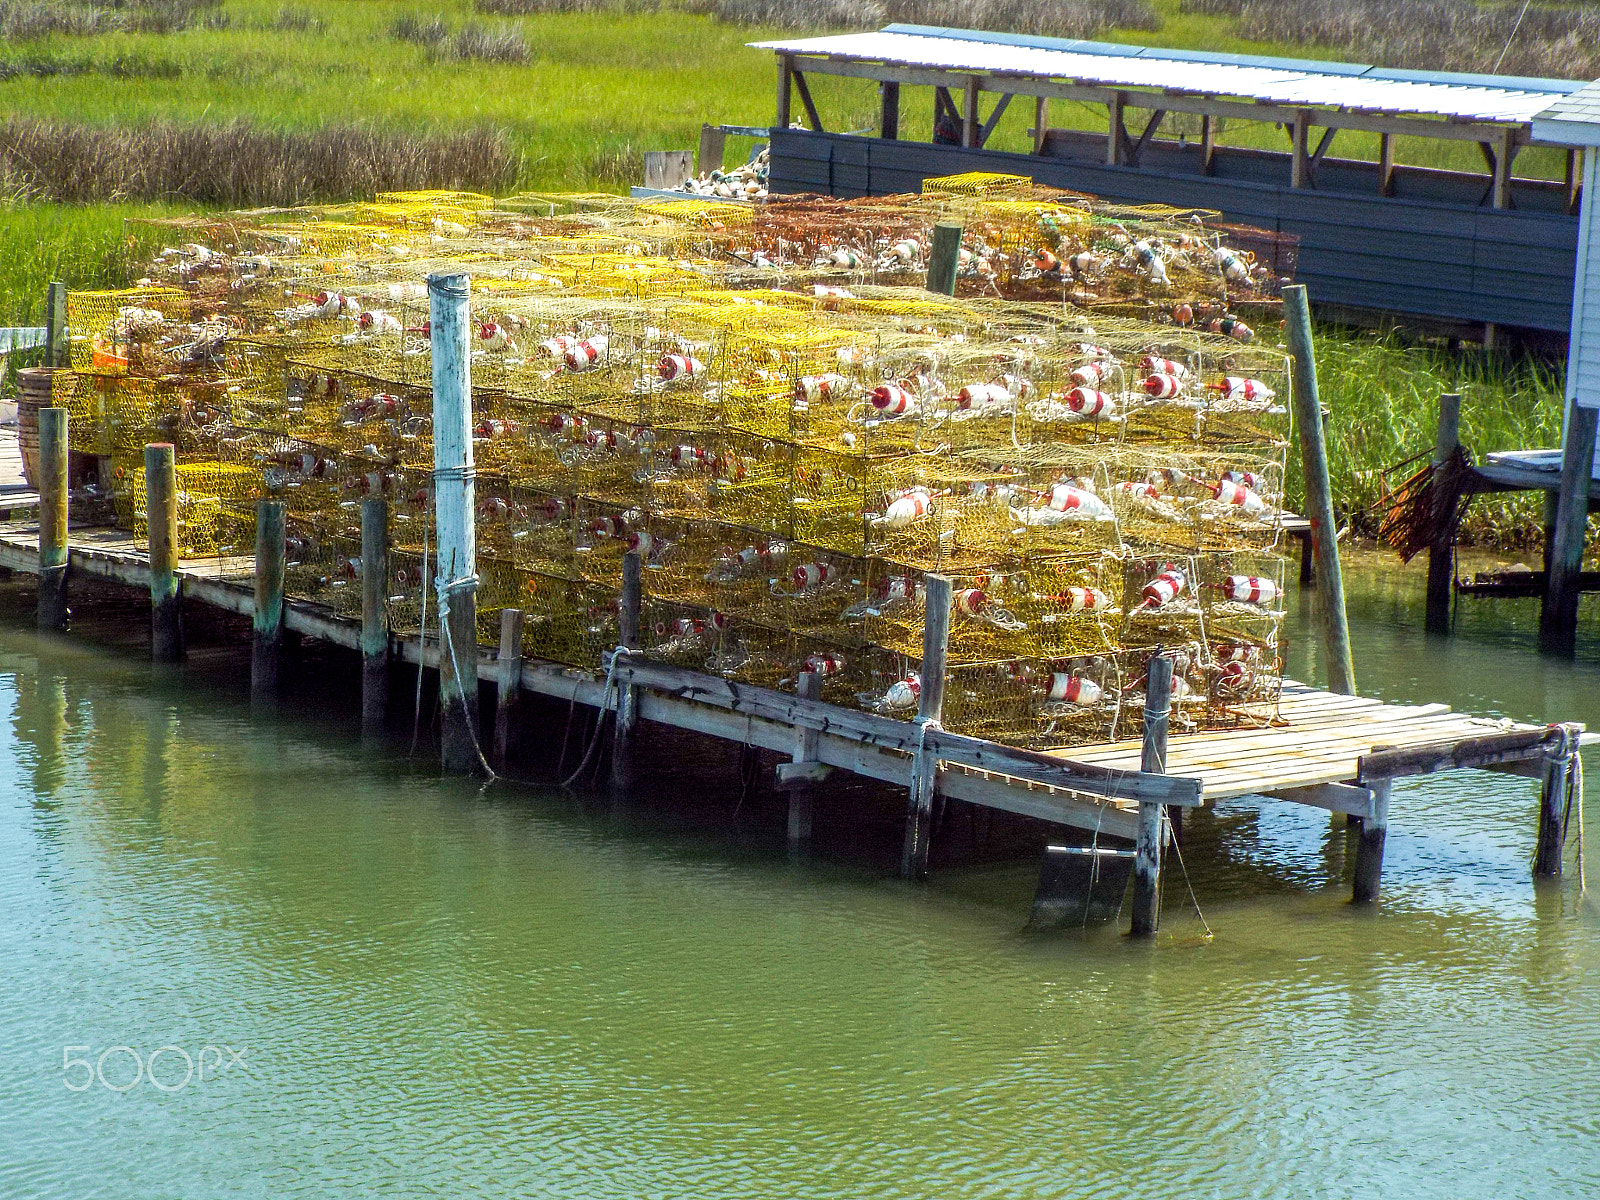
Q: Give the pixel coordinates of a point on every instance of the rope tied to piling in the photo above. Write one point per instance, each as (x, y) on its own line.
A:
(617, 657)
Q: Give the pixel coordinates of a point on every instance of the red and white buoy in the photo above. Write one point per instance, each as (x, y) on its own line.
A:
(492, 336)
(1164, 588)
(1237, 495)
(1238, 388)
(1163, 366)
(676, 368)
(905, 509)
(584, 355)
(892, 400)
(557, 347)
(982, 395)
(824, 664)
(1247, 479)
(1086, 402)
(1090, 350)
(970, 602)
(1092, 374)
(1064, 497)
(903, 694)
(1073, 689)
(815, 388)
(813, 574)
(1162, 386)
(1249, 589)
(1084, 599)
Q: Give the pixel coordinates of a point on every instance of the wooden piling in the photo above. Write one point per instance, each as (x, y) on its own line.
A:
(944, 258)
(889, 110)
(1558, 615)
(56, 350)
(1442, 501)
(1552, 815)
(266, 623)
(930, 709)
(52, 518)
(1369, 851)
(508, 682)
(1152, 759)
(627, 695)
(455, 506)
(801, 788)
(1319, 493)
(374, 616)
(161, 510)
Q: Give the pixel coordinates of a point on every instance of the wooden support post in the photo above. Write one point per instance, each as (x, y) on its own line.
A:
(1386, 164)
(713, 141)
(1558, 616)
(1319, 493)
(508, 681)
(1547, 527)
(1300, 159)
(1208, 144)
(627, 695)
(374, 616)
(969, 115)
(812, 118)
(1442, 501)
(944, 258)
(455, 508)
(809, 687)
(52, 518)
(889, 110)
(785, 90)
(1114, 133)
(1308, 560)
(1153, 759)
(1574, 180)
(1552, 814)
(1041, 122)
(930, 709)
(1505, 151)
(56, 352)
(1369, 852)
(266, 624)
(161, 510)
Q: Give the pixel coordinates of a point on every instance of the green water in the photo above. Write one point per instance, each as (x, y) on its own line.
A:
(436, 992)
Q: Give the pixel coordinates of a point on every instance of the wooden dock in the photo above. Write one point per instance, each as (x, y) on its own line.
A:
(1338, 753)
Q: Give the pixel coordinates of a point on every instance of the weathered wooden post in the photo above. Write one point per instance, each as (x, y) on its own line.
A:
(1558, 616)
(374, 615)
(455, 494)
(1319, 492)
(627, 694)
(944, 258)
(1553, 782)
(888, 110)
(56, 353)
(930, 709)
(161, 513)
(266, 623)
(1442, 502)
(508, 680)
(800, 787)
(1151, 835)
(52, 518)
(1369, 851)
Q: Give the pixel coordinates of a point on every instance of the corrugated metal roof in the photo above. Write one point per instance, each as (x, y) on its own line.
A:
(1278, 81)
(1572, 119)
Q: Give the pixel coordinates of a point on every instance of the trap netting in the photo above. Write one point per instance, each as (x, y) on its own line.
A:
(765, 405)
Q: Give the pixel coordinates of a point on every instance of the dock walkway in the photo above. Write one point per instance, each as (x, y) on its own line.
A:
(1333, 752)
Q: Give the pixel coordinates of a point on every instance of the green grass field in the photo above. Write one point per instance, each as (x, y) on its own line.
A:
(596, 92)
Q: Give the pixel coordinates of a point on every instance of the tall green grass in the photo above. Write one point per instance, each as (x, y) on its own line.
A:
(83, 245)
(1383, 392)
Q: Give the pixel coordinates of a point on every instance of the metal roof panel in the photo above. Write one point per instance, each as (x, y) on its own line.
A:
(1285, 81)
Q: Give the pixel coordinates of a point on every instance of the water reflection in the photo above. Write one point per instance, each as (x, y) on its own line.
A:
(448, 992)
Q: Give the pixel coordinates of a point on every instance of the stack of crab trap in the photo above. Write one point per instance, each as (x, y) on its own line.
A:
(763, 403)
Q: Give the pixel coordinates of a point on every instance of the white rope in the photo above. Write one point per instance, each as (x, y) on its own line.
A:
(1511, 38)
(618, 655)
(461, 584)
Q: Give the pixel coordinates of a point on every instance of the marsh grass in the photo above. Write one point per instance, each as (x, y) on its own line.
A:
(502, 44)
(27, 20)
(237, 165)
(1383, 391)
(1557, 41)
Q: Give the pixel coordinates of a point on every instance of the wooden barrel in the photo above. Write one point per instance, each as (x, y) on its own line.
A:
(32, 395)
